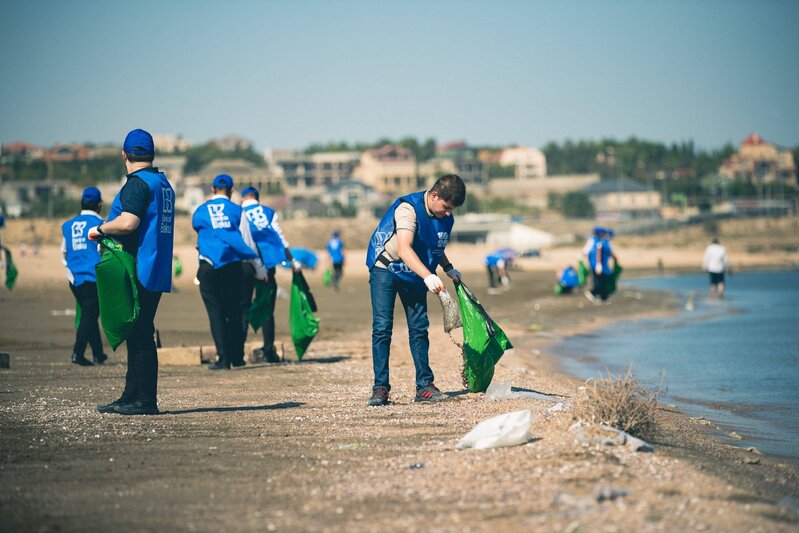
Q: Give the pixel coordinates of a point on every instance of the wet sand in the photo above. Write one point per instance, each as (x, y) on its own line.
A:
(293, 446)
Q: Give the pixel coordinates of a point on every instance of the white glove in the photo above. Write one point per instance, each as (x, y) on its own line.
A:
(434, 283)
(296, 266)
(454, 274)
(505, 281)
(598, 268)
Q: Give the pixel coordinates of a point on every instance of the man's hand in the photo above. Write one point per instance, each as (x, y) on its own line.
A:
(296, 266)
(434, 283)
(454, 274)
(94, 234)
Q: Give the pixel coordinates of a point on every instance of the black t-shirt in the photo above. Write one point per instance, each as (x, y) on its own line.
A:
(135, 198)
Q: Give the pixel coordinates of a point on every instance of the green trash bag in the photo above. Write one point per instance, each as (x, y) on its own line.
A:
(178, 266)
(11, 270)
(303, 324)
(617, 270)
(327, 277)
(116, 290)
(582, 272)
(483, 341)
(78, 313)
(262, 306)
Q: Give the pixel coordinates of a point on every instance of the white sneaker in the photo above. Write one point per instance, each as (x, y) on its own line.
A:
(591, 297)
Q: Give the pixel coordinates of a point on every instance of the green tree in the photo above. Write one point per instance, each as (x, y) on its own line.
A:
(577, 204)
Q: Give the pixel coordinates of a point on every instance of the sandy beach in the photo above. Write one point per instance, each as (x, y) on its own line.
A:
(292, 446)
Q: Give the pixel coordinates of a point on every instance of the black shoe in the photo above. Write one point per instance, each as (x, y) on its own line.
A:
(109, 408)
(379, 397)
(219, 365)
(238, 363)
(81, 360)
(100, 359)
(271, 356)
(136, 408)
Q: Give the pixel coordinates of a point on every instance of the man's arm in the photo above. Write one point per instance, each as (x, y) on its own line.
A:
(409, 257)
(449, 270)
(122, 225)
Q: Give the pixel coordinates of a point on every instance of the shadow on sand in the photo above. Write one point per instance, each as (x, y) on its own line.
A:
(284, 405)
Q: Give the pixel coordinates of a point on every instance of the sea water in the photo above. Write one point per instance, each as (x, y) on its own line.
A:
(733, 361)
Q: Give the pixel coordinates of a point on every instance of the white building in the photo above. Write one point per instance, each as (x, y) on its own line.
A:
(530, 163)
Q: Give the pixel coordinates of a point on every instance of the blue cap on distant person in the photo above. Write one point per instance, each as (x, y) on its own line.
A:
(223, 181)
(139, 142)
(250, 190)
(599, 230)
(91, 195)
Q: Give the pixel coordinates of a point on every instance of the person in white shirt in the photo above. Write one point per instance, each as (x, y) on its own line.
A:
(716, 263)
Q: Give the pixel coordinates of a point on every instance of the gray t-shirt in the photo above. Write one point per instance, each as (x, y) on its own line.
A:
(404, 220)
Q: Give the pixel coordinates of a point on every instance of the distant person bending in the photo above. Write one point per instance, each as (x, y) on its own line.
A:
(405, 249)
(599, 254)
(716, 263)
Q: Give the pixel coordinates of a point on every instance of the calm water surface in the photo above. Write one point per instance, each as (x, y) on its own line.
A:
(733, 361)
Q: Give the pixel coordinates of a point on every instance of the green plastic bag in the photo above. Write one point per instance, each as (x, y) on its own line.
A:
(178, 266)
(303, 324)
(116, 290)
(327, 277)
(617, 270)
(582, 272)
(11, 270)
(262, 306)
(78, 313)
(484, 342)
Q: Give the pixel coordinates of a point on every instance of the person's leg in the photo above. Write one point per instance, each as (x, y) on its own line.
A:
(90, 311)
(232, 277)
(603, 287)
(211, 290)
(490, 272)
(415, 305)
(247, 288)
(81, 333)
(268, 328)
(337, 273)
(721, 285)
(142, 353)
(383, 293)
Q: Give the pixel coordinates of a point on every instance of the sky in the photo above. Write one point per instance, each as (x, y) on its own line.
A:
(285, 74)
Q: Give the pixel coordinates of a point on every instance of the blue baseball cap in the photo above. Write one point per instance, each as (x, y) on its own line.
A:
(139, 142)
(91, 195)
(250, 190)
(598, 230)
(223, 181)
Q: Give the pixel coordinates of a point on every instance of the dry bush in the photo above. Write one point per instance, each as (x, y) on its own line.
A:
(619, 401)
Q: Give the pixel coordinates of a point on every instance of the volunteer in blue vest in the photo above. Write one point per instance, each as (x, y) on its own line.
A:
(142, 219)
(496, 267)
(218, 223)
(403, 254)
(80, 256)
(263, 235)
(335, 248)
(599, 253)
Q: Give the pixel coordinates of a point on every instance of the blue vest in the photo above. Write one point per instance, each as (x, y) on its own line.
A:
(336, 250)
(569, 277)
(82, 254)
(493, 259)
(156, 232)
(604, 260)
(432, 236)
(218, 237)
(270, 246)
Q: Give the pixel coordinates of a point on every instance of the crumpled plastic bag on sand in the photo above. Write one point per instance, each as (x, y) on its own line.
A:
(504, 391)
(509, 429)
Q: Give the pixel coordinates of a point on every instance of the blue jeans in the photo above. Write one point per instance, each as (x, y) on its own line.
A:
(384, 288)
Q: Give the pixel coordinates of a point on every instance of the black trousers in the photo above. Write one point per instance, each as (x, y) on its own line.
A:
(221, 289)
(493, 276)
(338, 271)
(141, 380)
(248, 286)
(88, 331)
(601, 286)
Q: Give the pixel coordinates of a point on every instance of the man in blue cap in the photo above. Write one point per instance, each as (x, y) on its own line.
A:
(80, 257)
(223, 250)
(142, 219)
(405, 249)
(264, 236)
(599, 253)
(335, 248)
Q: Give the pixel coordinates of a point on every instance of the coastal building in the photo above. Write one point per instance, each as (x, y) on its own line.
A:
(621, 199)
(535, 192)
(391, 169)
(499, 231)
(758, 161)
(530, 163)
(354, 196)
(232, 143)
(245, 173)
(455, 158)
(169, 144)
(310, 174)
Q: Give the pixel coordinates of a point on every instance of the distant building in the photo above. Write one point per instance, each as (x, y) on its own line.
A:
(171, 165)
(232, 143)
(759, 161)
(530, 163)
(455, 158)
(499, 230)
(354, 194)
(310, 175)
(169, 144)
(535, 192)
(67, 152)
(620, 199)
(244, 173)
(18, 196)
(21, 150)
(391, 169)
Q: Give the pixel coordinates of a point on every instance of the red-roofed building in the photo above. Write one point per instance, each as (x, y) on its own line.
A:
(760, 161)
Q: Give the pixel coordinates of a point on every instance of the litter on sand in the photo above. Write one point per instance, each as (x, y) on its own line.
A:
(504, 391)
(452, 315)
(510, 429)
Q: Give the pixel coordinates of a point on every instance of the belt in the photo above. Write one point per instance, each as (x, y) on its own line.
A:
(383, 260)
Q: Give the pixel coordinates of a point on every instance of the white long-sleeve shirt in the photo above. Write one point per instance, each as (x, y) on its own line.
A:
(716, 260)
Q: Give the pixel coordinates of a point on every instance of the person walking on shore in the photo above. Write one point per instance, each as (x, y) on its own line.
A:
(599, 254)
(716, 263)
(405, 249)
(335, 248)
(80, 257)
(142, 219)
(262, 233)
(218, 223)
